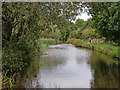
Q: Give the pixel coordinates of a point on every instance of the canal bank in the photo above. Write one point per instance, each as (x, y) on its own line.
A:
(111, 50)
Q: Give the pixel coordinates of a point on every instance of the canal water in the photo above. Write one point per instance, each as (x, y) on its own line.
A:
(66, 66)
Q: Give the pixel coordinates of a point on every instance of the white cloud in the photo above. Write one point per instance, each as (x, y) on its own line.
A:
(83, 16)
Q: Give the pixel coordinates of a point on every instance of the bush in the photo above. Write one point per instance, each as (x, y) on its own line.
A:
(76, 41)
(70, 41)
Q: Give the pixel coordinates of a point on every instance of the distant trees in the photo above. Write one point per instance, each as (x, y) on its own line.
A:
(79, 23)
(83, 30)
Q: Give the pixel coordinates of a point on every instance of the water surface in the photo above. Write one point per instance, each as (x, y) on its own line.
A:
(65, 66)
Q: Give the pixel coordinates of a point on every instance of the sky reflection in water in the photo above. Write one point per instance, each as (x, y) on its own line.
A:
(66, 66)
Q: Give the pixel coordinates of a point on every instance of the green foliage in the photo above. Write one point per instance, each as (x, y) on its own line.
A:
(43, 43)
(8, 82)
(37, 18)
(89, 33)
(84, 33)
(106, 19)
(17, 55)
(84, 30)
(79, 24)
(54, 33)
(47, 41)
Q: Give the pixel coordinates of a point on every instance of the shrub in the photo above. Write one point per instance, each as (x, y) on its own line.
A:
(76, 41)
(70, 41)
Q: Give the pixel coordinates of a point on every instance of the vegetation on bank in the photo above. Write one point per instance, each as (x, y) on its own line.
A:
(81, 36)
(102, 29)
(107, 49)
(16, 58)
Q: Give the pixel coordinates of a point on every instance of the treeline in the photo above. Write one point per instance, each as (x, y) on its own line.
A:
(101, 32)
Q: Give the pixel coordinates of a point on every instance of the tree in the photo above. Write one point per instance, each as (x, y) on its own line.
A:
(106, 17)
(79, 23)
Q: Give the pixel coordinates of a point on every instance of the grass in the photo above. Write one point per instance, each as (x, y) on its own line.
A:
(111, 50)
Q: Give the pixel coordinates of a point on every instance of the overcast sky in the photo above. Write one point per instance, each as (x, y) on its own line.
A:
(83, 16)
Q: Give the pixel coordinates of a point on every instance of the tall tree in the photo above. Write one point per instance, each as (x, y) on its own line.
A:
(106, 17)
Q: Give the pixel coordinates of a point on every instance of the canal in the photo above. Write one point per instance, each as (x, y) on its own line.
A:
(66, 66)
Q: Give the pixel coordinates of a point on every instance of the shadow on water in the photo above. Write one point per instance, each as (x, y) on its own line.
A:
(66, 66)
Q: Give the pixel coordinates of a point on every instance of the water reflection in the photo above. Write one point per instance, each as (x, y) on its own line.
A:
(66, 66)
(105, 71)
(68, 73)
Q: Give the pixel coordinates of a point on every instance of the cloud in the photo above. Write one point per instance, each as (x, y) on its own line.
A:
(84, 16)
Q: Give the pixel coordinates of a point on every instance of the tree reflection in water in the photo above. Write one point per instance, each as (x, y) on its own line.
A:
(105, 71)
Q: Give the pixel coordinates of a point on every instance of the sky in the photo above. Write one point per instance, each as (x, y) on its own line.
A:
(83, 16)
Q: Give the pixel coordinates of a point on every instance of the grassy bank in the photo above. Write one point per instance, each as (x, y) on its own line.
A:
(18, 55)
(111, 50)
